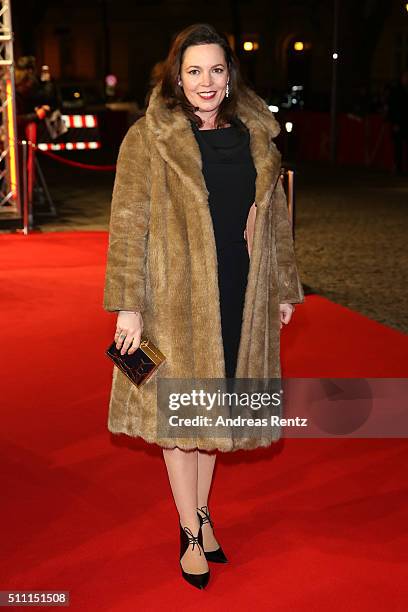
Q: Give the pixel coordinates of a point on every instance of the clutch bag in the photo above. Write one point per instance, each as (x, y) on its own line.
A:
(140, 365)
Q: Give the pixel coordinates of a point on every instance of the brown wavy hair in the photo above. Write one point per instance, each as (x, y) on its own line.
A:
(173, 95)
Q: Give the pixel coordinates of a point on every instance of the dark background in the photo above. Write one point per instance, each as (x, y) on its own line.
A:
(83, 40)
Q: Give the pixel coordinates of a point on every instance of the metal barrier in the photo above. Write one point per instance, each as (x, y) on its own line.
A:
(9, 175)
(30, 167)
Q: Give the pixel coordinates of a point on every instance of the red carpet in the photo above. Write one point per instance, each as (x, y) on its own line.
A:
(308, 524)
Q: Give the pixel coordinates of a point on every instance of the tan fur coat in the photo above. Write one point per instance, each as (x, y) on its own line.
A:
(162, 261)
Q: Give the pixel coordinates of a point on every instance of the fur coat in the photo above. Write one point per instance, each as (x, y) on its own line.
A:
(162, 261)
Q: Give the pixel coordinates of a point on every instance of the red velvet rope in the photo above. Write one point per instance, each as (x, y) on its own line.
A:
(69, 162)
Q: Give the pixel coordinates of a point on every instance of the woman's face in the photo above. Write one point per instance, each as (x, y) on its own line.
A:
(204, 76)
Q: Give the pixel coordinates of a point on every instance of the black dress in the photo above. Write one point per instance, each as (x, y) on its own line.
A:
(230, 175)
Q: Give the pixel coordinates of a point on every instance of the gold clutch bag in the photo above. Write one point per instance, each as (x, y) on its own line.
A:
(139, 366)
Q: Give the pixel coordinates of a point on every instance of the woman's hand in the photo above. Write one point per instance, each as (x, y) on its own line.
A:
(286, 311)
(129, 328)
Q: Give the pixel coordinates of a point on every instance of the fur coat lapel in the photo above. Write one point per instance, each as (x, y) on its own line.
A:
(177, 145)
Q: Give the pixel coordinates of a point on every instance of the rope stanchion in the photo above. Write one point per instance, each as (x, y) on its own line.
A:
(27, 218)
(69, 162)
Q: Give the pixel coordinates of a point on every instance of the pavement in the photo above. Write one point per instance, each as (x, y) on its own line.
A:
(351, 230)
(351, 239)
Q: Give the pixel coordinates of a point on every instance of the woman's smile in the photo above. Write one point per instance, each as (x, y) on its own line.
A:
(207, 95)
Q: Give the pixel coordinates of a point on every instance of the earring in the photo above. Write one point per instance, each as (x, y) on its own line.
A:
(179, 83)
(227, 90)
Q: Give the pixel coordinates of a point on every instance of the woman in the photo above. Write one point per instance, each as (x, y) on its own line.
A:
(178, 266)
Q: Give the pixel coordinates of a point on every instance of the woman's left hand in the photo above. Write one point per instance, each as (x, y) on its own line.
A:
(286, 311)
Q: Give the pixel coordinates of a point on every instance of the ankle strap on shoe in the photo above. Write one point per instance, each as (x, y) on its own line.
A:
(206, 518)
(192, 539)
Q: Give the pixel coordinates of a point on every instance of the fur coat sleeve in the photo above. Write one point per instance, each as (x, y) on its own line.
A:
(290, 287)
(128, 229)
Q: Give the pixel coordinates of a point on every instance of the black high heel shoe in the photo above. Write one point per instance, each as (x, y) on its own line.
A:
(218, 555)
(186, 538)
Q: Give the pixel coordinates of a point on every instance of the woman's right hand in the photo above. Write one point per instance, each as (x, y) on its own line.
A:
(129, 328)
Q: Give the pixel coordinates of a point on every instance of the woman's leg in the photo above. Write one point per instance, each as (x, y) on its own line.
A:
(206, 463)
(182, 469)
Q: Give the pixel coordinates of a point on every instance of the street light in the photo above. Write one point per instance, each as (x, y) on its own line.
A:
(299, 45)
(250, 45)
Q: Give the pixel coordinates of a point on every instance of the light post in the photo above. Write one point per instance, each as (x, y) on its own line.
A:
(333, 106)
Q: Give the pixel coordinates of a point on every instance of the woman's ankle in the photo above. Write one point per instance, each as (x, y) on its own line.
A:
(190, 521)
